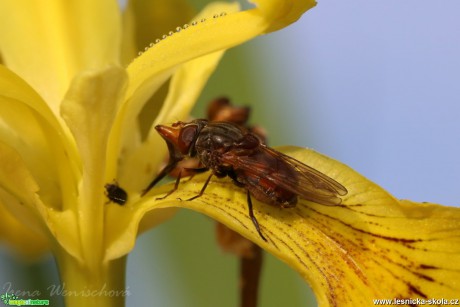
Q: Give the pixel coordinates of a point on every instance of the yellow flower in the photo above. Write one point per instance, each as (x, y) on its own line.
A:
(71, 91)
(71, 95)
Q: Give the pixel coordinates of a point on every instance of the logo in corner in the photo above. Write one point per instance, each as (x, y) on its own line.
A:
(10, 299)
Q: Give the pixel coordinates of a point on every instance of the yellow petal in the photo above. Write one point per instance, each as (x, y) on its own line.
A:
(12, 86)
(24, 216)
(18, 188)
(20, 237)
(39, 167)
(372, 246)
(131, 220)
(128, 43)
(89, 109)
(48, 44)
(63, 226)
(281, 13)
(145, 21)
(31, 129)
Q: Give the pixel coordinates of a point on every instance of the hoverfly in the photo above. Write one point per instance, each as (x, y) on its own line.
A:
(228, 149)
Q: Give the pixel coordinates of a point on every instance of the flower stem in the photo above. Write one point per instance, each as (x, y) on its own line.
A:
(83, 286)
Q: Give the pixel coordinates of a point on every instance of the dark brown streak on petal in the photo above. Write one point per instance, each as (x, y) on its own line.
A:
(402, 240)
(428, 267)
(432, 267)
(414, 289)
(426, 277)
(351, 208)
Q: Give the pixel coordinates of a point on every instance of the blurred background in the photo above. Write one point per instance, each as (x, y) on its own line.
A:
(374, 85)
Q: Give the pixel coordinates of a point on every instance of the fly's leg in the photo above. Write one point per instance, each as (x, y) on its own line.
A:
(165, 171)
(253, 218)
(202, 189)
(176, 185)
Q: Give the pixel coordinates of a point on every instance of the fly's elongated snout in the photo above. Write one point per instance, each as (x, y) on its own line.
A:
(181, 135)
(169, 134)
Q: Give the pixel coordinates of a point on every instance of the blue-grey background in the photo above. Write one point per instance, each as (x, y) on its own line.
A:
(372, 84)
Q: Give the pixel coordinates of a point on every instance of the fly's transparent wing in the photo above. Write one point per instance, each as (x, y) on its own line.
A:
(288, 173)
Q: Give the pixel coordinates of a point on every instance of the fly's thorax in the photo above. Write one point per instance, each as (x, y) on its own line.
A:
(214, 140)
(218, 136)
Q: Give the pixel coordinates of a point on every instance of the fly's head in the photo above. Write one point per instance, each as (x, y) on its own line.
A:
(180, 137)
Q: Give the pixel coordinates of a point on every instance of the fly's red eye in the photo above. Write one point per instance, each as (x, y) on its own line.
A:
(186, 138)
